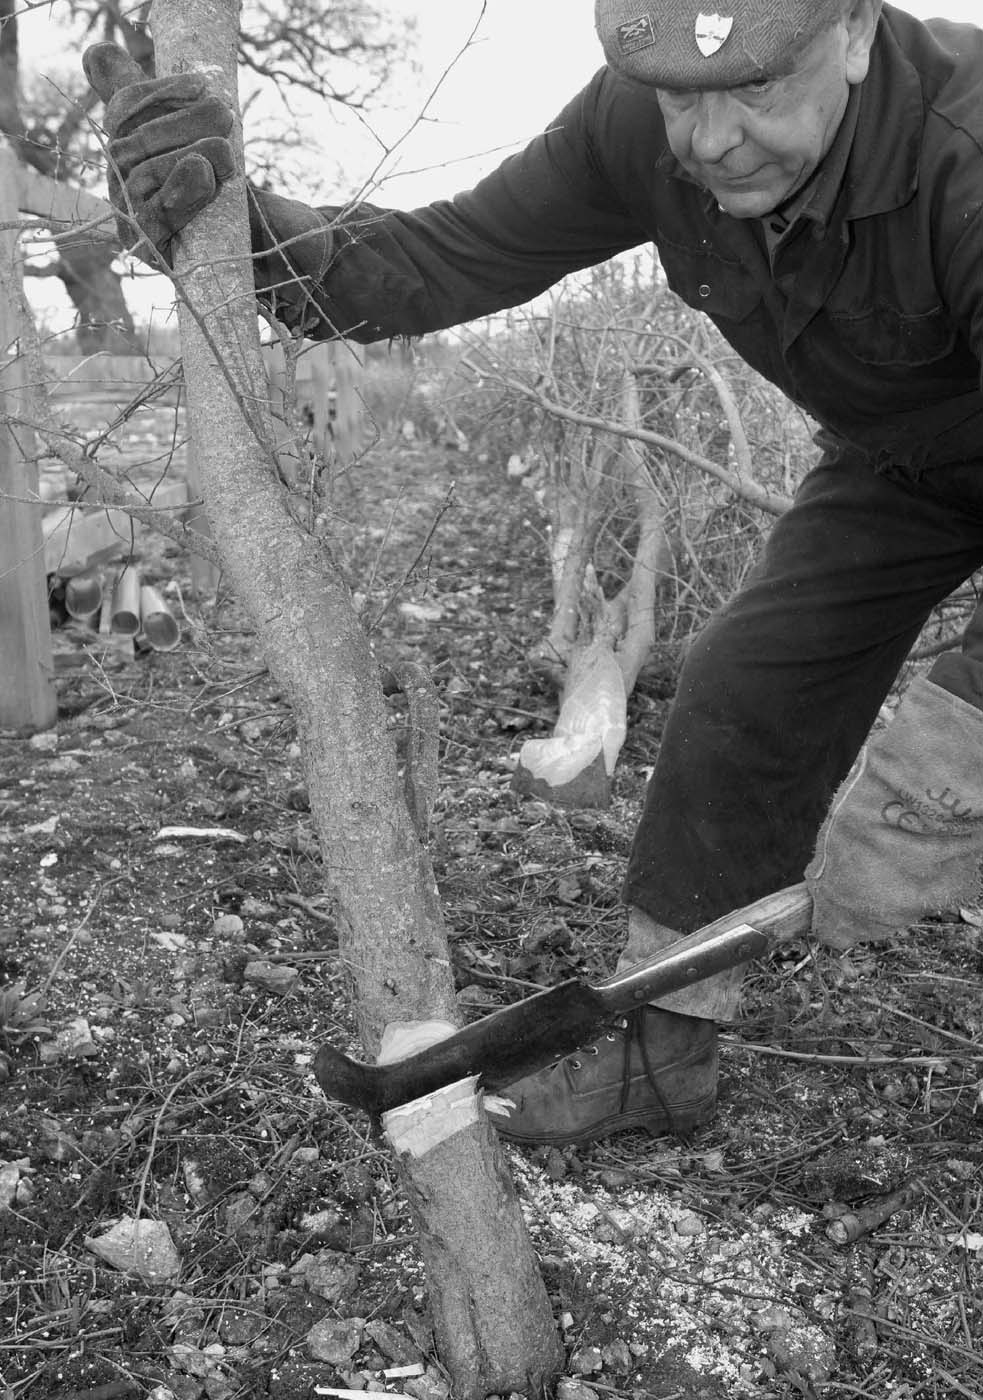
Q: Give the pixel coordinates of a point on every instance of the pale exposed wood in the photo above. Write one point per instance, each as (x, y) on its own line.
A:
(27, 696)
(593, 638)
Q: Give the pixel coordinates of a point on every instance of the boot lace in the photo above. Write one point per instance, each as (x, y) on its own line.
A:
(632, 1027)
(636, 1031)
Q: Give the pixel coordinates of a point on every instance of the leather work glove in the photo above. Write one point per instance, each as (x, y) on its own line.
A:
(904, 835)
(169, 151)
(168, 147)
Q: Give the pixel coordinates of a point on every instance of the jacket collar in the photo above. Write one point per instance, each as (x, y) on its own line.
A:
(882, 168)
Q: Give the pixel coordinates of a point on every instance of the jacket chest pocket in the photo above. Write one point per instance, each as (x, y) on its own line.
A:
(885, 335)
(718, 286)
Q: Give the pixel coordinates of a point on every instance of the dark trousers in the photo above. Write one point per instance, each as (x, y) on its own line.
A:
(778, 693)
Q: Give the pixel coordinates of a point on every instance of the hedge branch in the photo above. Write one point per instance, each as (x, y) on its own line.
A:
(774, 502)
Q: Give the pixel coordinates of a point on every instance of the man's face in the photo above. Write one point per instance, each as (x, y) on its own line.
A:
(754, 146)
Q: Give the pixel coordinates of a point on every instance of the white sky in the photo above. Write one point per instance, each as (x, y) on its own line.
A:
(528, 58)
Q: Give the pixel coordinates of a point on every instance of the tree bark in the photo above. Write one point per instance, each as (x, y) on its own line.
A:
(301, 607)
(392, 935)
(493, 1327)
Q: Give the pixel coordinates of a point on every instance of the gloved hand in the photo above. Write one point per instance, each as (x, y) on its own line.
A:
(168, 147)
(292, 251)
(904, 835)
(169, 153)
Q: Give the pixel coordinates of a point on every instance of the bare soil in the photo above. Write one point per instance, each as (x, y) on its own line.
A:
(181, 982)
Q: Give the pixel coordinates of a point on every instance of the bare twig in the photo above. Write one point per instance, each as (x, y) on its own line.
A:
(771, 501)
(408, 573)
(936, 648)
(847, 1229)
(926, 1025)
(42, 422)
(856, 1061)
(735, 425)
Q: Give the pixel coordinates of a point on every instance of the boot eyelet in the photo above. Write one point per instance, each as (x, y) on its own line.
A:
(591, 1050)
(575, 1064)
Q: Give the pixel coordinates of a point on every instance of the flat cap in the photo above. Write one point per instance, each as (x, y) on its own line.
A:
(686, 44)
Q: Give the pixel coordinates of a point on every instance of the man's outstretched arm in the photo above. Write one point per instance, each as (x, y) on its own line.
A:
(366, 272)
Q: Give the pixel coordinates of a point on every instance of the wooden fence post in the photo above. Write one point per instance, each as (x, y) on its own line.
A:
(348, 427)
(27, 696)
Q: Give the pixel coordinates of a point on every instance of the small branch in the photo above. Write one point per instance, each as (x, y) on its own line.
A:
(420, 776)
(775, 503)
(653, 552)
(112, 1390)
(849, 1061)
(847, 1229)
(936, 648)
(442, 510)
(732, 413)
(159, 1119)
(75, 934)
(916, 1021)
(42, 422)
(112, 494)
(373, 179)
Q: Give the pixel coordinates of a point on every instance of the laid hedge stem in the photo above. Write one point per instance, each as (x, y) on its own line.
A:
(492, 1319)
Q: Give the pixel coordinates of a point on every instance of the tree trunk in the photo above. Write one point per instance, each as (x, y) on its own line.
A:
(392, 934)
(493, 1333)
(300, 606)
(104, 320)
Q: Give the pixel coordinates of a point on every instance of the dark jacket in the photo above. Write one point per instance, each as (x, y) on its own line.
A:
(871, 314)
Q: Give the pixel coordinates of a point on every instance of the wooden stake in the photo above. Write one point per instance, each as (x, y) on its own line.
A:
(204, 575)
(27, 696)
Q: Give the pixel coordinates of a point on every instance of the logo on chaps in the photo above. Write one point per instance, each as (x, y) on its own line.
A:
(636, 34)
(943, 814)
(712, 32)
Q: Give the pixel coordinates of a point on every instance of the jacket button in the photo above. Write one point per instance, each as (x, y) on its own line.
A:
(703, 289)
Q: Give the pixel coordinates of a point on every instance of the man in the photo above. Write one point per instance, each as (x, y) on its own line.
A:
(811, 172)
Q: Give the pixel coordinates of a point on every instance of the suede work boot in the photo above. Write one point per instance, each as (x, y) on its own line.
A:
(651, 1069)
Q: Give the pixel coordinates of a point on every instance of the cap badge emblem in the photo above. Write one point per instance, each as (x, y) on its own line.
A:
(635, 34)
(712, 32)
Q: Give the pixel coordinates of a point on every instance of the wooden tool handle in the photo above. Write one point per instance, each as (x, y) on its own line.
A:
(784, 915)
